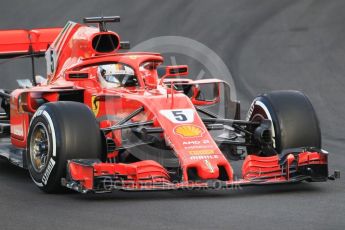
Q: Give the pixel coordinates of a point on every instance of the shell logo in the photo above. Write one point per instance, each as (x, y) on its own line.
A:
(189, 131)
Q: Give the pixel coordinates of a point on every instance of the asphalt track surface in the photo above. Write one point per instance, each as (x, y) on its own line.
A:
(268, 45)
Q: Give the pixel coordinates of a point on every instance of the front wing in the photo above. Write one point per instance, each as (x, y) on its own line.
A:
(87, 175)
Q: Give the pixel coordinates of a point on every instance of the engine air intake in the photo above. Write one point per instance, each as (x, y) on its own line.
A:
(105, 42)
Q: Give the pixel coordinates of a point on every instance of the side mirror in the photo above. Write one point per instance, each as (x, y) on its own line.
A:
(176, 70)
(173, 71)
(205, 94)
(76, 75)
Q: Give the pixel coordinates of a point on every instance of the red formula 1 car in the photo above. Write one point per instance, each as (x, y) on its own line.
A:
(105, 120)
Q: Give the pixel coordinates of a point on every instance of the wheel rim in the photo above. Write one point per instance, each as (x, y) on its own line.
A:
(262, 114)
(39, 147)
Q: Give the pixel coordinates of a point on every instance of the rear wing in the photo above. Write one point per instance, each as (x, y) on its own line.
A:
(14, 43)
(27, 43)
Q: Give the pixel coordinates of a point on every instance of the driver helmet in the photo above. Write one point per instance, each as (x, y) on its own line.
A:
(110, 74)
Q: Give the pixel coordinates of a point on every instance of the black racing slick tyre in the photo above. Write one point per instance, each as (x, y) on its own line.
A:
(294, 121)
(59, 132)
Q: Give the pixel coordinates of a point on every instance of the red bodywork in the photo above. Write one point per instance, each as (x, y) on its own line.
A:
(71, 52)
(149, 175)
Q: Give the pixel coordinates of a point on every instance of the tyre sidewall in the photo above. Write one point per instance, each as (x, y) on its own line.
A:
(49, 179)
(294, 121)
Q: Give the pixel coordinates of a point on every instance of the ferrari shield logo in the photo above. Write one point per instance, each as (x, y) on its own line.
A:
(94, 105)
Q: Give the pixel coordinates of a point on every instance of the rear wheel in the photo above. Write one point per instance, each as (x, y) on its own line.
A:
(59, 132)
(294, 121)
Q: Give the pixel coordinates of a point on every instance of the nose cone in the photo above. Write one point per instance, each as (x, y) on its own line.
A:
(208, 170)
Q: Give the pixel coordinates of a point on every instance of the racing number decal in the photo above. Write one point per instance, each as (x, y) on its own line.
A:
(52, 67)
(51, 60)
(179, 115)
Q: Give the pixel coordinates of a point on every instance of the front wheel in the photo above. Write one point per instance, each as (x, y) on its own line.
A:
(59, 132)
(294, 121)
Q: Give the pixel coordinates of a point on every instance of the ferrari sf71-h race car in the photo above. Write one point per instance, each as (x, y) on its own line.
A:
(106, 120)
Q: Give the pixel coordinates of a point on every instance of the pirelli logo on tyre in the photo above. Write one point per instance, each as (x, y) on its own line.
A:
(48, 171)
(189, 131)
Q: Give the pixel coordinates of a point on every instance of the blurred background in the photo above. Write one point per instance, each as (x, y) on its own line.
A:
(267, 45)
